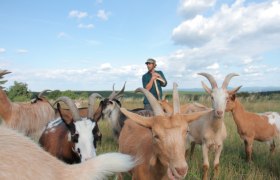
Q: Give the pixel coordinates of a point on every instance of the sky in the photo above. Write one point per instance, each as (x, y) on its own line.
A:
(92, 44)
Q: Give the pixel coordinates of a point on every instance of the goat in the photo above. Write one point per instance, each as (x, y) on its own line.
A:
(27, 118)
(264, 127)
(71, 138)
(210, 131)
(157, 141)
(21, 158)
(111, 110)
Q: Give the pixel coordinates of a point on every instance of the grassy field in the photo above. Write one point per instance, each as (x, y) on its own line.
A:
(232, 161)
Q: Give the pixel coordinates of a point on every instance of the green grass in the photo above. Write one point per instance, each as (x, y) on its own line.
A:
(232, 161)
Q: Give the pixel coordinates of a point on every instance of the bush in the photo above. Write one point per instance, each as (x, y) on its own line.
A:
(19, 92)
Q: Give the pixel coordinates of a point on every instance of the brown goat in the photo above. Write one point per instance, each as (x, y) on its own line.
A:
(158, 141)
(262, 127)
(27, 118)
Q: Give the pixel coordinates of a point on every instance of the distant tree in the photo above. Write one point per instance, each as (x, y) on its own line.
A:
(84, 95)
(19, 92)
(70, 94)
(54, 94)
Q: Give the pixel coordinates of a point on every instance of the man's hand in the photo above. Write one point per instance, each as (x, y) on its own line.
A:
(155, 76)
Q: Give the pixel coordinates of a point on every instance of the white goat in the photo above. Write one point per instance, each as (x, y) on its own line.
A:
(210, 131)
(28, 118)
(21, 158)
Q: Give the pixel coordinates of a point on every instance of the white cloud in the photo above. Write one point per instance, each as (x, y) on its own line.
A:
(232, 24)
(190, 8)
(214, 66)
(102, 14)
(62, 35)
(22, 51)
(78, 14)
(105, 67)
(232, 39)
(2, 50)
(99, 1)
(86, 26)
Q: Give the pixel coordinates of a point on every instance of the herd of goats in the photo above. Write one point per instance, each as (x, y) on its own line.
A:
(43, 140)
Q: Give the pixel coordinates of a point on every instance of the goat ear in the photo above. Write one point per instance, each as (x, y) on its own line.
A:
(144, 121)
(206, 88)
(234, 91)
(194, 116)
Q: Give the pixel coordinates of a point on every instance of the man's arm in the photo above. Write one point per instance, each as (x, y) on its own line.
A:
(148, 83)
(163, 81)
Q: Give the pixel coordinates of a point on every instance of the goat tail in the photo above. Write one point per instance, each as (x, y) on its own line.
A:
(102, 166)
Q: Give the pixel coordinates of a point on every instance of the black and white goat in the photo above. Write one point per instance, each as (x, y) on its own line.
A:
(71, 138)
(111, 111)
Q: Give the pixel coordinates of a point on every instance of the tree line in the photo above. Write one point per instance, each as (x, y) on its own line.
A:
(19, 92)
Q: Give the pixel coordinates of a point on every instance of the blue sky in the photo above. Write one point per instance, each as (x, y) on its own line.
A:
(92, 44)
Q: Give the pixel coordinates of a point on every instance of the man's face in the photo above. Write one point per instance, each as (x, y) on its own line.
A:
(150, 66)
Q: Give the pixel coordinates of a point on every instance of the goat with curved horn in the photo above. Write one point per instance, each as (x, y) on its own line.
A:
(27, 118)
(210, 130)
(71, 137)
(227, 79)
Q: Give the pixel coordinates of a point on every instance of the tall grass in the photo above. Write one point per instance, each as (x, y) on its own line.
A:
(232, 162)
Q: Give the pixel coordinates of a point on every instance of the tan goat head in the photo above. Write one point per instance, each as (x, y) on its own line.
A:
(167, 137)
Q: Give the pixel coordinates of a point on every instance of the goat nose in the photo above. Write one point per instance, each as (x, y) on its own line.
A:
(182, 171)
(220, 112)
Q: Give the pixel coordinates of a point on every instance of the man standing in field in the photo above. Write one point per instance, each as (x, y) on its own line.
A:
(153, 81)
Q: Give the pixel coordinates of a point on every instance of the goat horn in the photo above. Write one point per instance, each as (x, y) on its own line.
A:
(211, 79)
(72, 107)
(176, 101)
(227, 79)
(42, 92)
(91, 100)
(153, 101)
(117, 95)
(112, 95)
(120, 93)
